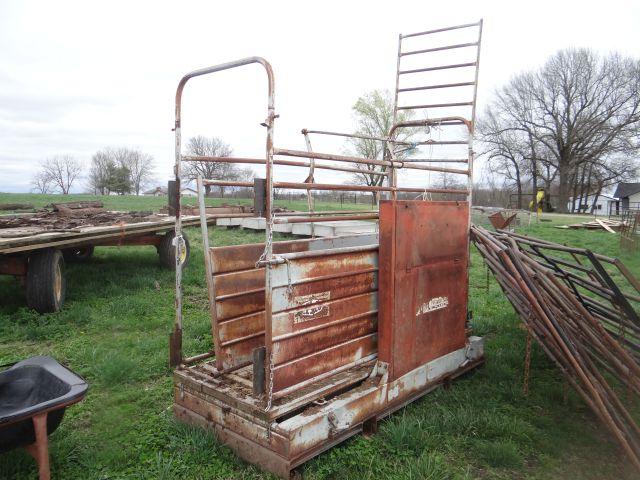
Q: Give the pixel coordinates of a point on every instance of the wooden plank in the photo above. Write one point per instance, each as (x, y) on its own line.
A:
(605, 226)
(88, 235)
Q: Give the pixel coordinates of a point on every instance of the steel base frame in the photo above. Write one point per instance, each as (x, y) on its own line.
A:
(283, 444)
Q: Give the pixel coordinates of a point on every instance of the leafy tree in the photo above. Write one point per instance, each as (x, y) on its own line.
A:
(373, 114)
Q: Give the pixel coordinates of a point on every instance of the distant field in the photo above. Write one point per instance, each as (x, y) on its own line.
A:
(144, 202)
(114, 330)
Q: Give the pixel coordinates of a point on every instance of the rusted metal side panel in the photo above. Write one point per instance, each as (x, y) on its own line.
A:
(424, 257)
(325, 313)
(244, 257)
(352, 283)
(386, 263)
(239, 291)
(323, 361)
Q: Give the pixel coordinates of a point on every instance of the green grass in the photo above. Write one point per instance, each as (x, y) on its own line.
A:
(114, 332)
(144, 203)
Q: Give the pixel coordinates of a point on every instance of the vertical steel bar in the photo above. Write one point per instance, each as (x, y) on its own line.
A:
(268, 293)
(392, 178)
(209, 271)
(175, 342)
(311, 179)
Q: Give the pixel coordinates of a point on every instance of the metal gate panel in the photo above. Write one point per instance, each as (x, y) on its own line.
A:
(424, 253)
(321, 363)
(305, 330)
(352, 283)
(238, 291)
(325, 312)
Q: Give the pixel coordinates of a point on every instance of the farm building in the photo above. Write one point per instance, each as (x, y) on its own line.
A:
(628, 195)
(594, 204)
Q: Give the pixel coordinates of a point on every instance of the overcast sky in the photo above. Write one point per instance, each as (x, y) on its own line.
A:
(79, 76)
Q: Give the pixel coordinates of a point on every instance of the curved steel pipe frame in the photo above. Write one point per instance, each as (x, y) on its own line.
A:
(175, 343)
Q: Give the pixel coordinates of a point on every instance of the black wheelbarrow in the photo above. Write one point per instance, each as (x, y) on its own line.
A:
(33, 396)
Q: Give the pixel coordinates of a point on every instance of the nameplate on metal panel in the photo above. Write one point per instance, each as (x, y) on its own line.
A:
(312, 298)
(436, 303)
(311, 313)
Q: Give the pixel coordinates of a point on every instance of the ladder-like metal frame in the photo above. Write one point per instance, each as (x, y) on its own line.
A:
(468, 120)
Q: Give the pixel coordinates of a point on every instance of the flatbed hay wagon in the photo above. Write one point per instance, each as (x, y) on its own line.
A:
(316, 340)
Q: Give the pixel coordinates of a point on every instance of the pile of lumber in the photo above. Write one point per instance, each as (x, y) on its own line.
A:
(69, 215)
(17, 206)
(611, 226)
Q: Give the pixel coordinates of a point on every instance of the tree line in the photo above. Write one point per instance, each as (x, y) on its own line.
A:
(571, 127)
(125, 170)
(112, 170)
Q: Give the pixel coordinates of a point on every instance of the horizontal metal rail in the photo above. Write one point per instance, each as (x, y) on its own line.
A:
(329, 218)
(347, 188)
(364, 188)
(322, 213)
(357, 135)
(436, 160)
(441, 85)
(439, 30)
(439, 67)
(369, 161)
(328, 156)
(289, 163)
(226, 183)
(436, 105)
(438, 49)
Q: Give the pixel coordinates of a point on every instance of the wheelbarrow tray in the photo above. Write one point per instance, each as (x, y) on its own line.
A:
(32, 387)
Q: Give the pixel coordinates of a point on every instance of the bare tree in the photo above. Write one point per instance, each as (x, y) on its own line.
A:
(140, 166)
(580, 108)
(109, 163)
(41, 182)
(98, 179)
(61, 171)
(373, 114)
(202, 146)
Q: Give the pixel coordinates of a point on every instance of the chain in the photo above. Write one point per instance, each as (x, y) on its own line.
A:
(527, 363)
(270, 394)
(268, 244)
(289, 285)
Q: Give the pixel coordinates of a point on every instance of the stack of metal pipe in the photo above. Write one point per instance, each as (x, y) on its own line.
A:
(584, 320)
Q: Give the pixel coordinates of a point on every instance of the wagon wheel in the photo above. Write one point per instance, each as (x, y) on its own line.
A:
(167, 251)
(78, 254)
(46, 284)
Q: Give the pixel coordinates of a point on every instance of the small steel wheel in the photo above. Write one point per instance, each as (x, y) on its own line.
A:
(167, 251)
(46, 284)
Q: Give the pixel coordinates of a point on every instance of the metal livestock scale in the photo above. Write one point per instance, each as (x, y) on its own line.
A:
(316, 340)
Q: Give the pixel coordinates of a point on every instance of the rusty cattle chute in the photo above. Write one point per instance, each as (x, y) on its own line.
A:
(315, 340)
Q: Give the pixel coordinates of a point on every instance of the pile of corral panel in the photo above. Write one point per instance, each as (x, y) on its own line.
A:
(582, 318)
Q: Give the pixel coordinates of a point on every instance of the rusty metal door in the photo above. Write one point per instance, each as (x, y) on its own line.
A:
(423, 283)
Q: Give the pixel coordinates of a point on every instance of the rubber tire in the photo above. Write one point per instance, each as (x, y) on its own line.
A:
(78, 254)
(167, 251)
(46, 283)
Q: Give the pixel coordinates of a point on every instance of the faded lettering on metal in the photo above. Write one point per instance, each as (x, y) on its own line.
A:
(312, 298)
(311, 313)
(436, 303)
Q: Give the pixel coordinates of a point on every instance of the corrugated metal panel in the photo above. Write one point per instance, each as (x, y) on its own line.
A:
(239, 292)
(325, 313)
